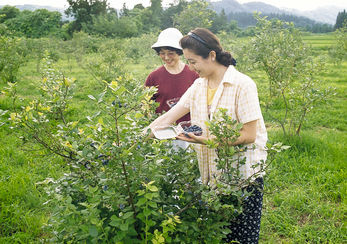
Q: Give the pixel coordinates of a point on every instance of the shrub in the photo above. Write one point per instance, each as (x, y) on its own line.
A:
(293, 87)
(120, 186)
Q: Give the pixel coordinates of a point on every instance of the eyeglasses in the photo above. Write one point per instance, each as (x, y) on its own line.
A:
(169, 54)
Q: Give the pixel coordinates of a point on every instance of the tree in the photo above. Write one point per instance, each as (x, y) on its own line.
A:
(197, 14)
(157, 12)
(110, 25)
(338, 52)
(84, 10)
(293, 88)
(340, 19)
(35, 24)
(8, 12)
(220, 22)
(167, 19)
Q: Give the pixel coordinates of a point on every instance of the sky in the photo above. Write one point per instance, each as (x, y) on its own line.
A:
(295, 4)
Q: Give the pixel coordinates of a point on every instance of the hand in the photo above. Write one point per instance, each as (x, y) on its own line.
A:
(192, 138)
(145, 131)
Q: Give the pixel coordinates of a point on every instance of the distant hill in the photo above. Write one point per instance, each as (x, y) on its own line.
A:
(325, 14)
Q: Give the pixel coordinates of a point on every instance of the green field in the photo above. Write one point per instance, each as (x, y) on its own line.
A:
(305, 188)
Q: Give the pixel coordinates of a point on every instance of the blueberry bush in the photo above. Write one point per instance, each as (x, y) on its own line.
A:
(119, 186)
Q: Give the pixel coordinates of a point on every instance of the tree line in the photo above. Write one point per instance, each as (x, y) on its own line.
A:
(96, 17)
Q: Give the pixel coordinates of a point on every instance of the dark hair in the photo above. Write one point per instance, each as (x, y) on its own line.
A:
(178, 51)
(202, 41)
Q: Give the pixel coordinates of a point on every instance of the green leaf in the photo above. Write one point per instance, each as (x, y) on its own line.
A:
(153, 204)
(124, 227)
(151, 223)
(115, 221)
(138, 115)
(149, 196)
(147, 212)
(93, 231)
(128, 215)
(152, 188)
(141, 202)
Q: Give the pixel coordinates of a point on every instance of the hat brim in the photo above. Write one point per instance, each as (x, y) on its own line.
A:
(166, 44)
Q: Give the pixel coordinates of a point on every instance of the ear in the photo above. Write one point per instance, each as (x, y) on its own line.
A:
(213, 55)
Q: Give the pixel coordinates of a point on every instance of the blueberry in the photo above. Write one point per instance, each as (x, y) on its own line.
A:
(194, 129)
(105, 188)
(104, 161)
(121, 206)
(114, 103)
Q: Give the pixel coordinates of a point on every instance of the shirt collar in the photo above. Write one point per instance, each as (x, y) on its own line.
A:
(229, 75)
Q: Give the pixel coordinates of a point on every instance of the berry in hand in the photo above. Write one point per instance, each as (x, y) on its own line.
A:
(194, 129)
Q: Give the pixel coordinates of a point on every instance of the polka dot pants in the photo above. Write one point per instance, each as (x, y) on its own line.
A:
(245, 229)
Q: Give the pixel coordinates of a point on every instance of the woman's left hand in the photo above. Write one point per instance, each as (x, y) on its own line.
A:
(192, 138)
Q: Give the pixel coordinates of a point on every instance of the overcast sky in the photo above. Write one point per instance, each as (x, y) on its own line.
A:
(296, 4)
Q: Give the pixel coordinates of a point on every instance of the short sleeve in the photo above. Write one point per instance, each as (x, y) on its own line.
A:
(149, 80)
(248, 107)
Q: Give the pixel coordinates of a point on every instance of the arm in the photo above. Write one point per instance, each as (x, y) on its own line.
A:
(170, 116)
(247, 135)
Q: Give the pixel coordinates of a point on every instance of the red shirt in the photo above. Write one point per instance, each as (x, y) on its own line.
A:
(170, 87)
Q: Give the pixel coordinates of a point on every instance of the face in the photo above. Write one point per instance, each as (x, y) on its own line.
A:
(170, 58)
(197, 63)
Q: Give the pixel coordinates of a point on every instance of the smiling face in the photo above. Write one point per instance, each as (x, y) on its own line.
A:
(203, 66)
(169, 57)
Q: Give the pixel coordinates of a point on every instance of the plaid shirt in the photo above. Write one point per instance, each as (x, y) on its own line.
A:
(238, 94)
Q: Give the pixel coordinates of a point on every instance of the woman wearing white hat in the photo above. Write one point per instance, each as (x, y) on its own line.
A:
(174, 77)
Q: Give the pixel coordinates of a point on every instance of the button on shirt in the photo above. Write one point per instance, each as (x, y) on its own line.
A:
(238, 94)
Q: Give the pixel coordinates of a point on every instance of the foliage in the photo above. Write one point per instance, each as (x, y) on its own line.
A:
(338, 52)
(167, 18)
(304, 198)
(230, 158)
(120, 186)
(293, 88)
(138, 49)
(83, 12)
(108, 63)
(11, 58)
(8, 12)
(35, 24)
(156, 11)
(341, 20)
(110, 25)
(97, 18)
(197, 14)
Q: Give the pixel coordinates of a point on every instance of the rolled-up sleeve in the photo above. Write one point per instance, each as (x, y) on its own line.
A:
(186, 97)
(248, 108)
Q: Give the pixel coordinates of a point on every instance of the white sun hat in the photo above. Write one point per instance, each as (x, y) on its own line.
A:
(169, 37)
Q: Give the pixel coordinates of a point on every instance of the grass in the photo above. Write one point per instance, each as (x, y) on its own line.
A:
(22, 213)
(305, 189)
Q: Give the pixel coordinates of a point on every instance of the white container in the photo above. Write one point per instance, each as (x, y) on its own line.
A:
(167, 132)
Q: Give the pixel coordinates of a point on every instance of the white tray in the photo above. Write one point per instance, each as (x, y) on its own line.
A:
(167, 132)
